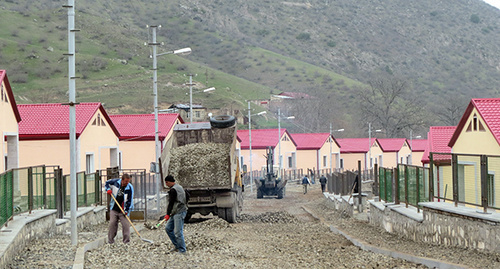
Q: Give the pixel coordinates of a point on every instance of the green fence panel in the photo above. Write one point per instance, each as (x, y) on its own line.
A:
(388, 185)
(6, 197)
(381, 183)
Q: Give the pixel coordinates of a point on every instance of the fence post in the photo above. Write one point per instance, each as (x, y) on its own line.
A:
(360, 197)
(30, 189)
(418, 190)
(375, 172)
(431, 178)
(44, 187)
(85, 188)
(454, 168)
(406, 186)
(484, 183)
(97, 187)
(60, 192)
(396, 185)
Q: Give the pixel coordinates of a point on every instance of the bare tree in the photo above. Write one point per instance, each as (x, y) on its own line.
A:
(451, 110)
(389, 103)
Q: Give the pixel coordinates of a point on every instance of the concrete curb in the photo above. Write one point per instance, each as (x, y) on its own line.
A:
(79, 262)
(431, 263)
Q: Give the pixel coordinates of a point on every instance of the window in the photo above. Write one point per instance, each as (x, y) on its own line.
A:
(197, 114)
(290, 162)
(324, 161)
(5, 163)
(341, 163)
(89, 163)
(491, 189)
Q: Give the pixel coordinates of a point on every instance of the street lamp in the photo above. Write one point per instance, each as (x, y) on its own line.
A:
(250, 140)
(370, 144)
(279, 136)
(191, 96)
(183, 51)
(411, 145)
(331, 140)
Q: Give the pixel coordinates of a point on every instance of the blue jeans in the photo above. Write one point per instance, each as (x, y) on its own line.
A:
(174, 229)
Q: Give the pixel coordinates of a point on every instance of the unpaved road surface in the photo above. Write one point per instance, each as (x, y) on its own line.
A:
(271, 233)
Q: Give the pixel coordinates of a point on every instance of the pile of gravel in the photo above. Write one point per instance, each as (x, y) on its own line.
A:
(280, 217)
(201, 164)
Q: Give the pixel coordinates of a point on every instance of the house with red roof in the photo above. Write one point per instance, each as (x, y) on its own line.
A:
(260, 140)
(417, 147)
(438, 138)
(317, 151)
(395, 150)
(44, 137)
(9, 129)
(137, 137)
(353, 150)
(478, 132)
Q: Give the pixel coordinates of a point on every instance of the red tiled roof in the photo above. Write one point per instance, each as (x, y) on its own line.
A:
(308, 141)
(261, 138)
(354, 145)
(141, 126)
(489, 110)
(51, 121)
(10, 94)
(391, 144)
(439, 137)
(418, 144)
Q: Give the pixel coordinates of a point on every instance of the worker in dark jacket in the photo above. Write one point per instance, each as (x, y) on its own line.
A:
(305, 182)
(176, 212)
(323, 181)
(123, 192)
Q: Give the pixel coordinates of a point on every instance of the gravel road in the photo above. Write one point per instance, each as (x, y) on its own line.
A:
(271, 233)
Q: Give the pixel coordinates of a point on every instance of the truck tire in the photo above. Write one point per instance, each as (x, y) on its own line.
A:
(223, 121)
(221, 212)
(260, 195)
(281, 193)
(231, 214)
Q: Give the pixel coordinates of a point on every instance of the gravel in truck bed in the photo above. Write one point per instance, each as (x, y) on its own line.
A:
(201, 164)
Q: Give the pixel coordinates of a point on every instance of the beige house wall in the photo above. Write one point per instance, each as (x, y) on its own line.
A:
(9, 128)
(378, 157)
(476, 142)
(45, 152)
(288, 150)
(137, 154)
(351, 160)
(307, 159)
(417, 158)
(258, 159)
(404, 153)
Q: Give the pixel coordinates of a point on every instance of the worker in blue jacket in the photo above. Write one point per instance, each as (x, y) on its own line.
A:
(123, 192)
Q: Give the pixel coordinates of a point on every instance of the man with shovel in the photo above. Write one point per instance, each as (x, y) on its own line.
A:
(123, 192)
(176, 212)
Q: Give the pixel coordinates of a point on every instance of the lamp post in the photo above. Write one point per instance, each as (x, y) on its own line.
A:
(250, 141)
(331, 140)
(279, 136)
(411, 146)
(369, 166)
(183, 51)
(191, 96)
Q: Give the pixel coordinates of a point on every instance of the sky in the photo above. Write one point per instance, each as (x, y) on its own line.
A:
(495, 3)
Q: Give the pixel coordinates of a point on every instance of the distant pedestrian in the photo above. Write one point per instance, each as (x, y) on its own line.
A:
(305, 182)
(123, 192)
(323, 181)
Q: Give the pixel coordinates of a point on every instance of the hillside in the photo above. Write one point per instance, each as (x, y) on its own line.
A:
(251, 49)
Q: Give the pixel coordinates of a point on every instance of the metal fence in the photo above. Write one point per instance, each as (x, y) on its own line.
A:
(43, 187)
(468, 179)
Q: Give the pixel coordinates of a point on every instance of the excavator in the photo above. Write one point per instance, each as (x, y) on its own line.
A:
(270, 184)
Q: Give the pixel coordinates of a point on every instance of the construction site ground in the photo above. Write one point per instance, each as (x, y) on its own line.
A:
(293, 232)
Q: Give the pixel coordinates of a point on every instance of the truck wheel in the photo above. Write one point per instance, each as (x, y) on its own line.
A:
(260, 195)
(231, 214)
(223, 121)
(221, 212)
(188, 217)
(281, 193)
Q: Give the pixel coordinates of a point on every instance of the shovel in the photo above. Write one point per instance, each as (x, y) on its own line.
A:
(116, 202)
(154, 227)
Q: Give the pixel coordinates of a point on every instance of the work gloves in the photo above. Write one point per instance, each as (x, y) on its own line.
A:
(109, 191)
(166, 217)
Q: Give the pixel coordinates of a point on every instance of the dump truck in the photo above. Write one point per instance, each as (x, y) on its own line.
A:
(271, 184)
(203, 159)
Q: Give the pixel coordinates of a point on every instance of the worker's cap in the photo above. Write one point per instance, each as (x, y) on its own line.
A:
(169, 178)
